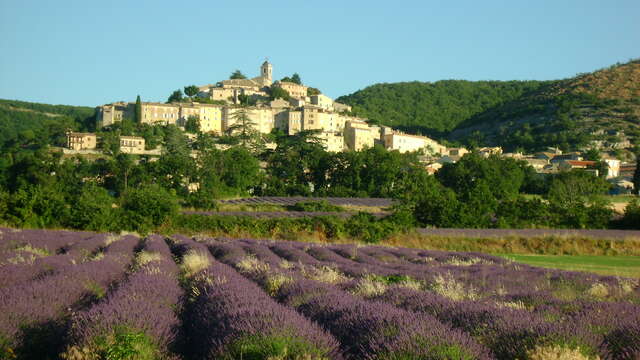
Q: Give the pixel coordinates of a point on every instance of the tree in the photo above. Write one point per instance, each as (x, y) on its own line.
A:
(503, 176)
(592, 154)
(92, 209)
(636, 176)
(295, 78)
(237, 75)
(191, 90)
(192, 125)
(146, 207)
(176, 96)
(279, 93)
(313, 91)
(138, 110)
(244, 129)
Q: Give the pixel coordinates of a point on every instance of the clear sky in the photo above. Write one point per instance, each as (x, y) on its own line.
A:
(88, 52)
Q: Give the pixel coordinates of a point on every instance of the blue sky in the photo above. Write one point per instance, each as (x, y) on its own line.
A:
(95, 52)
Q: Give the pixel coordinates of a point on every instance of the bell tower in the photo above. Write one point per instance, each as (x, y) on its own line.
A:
(266, 72)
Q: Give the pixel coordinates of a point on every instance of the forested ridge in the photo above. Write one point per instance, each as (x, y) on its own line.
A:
(43, 123)
(439, 106)
(517, 115)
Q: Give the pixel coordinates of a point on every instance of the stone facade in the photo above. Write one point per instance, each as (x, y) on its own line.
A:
(261, 117)
(81, 141)
(358, 135)
(322, 101)
(294, 90)
(132, 144)
(112, 113)
(407, 143)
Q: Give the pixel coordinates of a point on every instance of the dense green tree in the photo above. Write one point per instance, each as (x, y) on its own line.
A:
(92, 209)
(577, 186)
(503, 176)
(295, 78)
(37, 206)
(175, 96)
(237, 75)
(636, 175)
(138, 110)
(191, 91)
(192, 124)
(437, 206)
(110, 143)
(244, 130)
(576, 199)
(592, 154)
(147, 207)
(289, 166)
(313, 91)
(279, 93)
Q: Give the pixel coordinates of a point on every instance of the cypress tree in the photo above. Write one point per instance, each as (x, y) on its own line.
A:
(636, 176)
(138, 110)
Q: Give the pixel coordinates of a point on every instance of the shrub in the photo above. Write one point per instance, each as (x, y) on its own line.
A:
(92, 209)
(322, 205)
(631, 219)
(147, 207)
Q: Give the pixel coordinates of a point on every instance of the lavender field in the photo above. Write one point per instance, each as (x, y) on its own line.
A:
(81, 295)
(292, 200)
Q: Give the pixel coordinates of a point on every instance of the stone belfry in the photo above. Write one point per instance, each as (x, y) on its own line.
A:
(266, 72)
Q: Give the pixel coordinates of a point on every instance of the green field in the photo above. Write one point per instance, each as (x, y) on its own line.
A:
(627, 266)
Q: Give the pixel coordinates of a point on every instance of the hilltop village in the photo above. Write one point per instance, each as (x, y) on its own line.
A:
(298, 108)
(292, 107)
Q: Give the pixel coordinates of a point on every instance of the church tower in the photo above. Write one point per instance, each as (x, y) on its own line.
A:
(266, 72)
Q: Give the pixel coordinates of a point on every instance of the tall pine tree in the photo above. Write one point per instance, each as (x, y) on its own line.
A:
(636, 176)
(138, 113)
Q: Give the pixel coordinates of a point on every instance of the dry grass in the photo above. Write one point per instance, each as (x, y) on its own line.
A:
(548, 245)
(34, 250)
(193, 262)
(517, 305)
(22, 259)
(324, 274)
(274, 282)
(145, 257)
(467, 262)
(557, 352)
(249, 264)
(447, 286)
(287, 265)
(368, 287)
(598, 290)
(111, 239)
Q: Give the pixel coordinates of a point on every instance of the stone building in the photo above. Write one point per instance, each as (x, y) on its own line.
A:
(295, 90)
(81, 141)
(132, 144)
(359, 135)
(407, 143)
(110, 114)
(322, 101)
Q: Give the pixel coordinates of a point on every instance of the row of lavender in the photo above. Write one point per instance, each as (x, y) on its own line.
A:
(111, 297)
(515, 311)
(340, 201)
(143, 310)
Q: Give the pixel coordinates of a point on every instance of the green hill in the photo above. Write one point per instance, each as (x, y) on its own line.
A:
(568, 113)
(22, 121)
(434, 107)
(527, 115)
